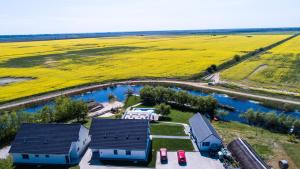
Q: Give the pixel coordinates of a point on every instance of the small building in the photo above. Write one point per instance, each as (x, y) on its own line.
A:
(49, 144)
(120, 139)
(245, 155)
(204, 134)
(141, 113)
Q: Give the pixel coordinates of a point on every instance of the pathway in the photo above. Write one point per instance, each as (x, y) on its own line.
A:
(170, 137)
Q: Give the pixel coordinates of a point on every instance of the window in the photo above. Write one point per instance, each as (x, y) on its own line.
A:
(36, 155)
(115, 152)
(25, 156)
(47, 156)
(205, 144)
(128, 152)
(77, 149)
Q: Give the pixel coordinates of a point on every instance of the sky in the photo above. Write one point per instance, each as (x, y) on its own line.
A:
(81, 16)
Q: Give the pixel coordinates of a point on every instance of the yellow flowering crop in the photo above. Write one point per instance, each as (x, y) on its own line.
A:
(58, 64)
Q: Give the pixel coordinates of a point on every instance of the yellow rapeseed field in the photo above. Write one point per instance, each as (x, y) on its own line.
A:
(59, 64)
(277, 69)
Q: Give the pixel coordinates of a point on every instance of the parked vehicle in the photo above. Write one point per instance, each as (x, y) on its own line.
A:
(283, 164)
(163, 155)
(181, 157)
(211, 83)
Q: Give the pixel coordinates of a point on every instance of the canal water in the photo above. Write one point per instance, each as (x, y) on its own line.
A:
(241, 106)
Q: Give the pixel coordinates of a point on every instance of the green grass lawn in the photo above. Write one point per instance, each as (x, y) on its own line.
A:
(132, 100)
(180, 116)
(167, 129)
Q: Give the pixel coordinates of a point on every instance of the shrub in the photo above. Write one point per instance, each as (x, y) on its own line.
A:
(163, 109)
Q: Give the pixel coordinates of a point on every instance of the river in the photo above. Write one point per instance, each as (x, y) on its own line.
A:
(101, 95)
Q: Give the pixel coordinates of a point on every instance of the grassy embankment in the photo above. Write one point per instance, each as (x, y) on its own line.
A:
(60, 64)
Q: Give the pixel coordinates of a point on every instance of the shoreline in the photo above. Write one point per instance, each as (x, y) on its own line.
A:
(31, 100)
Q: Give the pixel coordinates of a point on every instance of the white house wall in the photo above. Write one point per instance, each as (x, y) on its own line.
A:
(78, 147)
(135, 154)
(212, 139)
(42, 159)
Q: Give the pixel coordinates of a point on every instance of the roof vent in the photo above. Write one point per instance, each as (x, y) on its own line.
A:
(45, 141)
(138, 138)
(24, 140)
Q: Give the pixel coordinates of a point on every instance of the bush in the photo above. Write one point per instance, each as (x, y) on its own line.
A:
(163, 109)
(6, 163)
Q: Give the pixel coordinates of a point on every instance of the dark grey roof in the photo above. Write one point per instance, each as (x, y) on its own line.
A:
(245, 155)
(202, 128)
(45, 138)
(119, 134)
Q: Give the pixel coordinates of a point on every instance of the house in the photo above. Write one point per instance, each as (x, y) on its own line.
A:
(204, 134)
(245, 155)
(120, 139)
(141, 113)
(49, 144)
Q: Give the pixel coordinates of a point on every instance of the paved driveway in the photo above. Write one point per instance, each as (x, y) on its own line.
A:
(194, 161)
(88, 163)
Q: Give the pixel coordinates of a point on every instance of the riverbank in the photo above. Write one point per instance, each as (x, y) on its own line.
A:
(184, 84)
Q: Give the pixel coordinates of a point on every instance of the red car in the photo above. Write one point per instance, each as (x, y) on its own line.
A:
(181, 157)
(163, 155)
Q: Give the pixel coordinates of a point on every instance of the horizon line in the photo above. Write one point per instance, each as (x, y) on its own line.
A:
(166, 30)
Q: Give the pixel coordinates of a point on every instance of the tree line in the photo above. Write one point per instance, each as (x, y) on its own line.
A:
(282, 122)
(64, 109)
(158, 95)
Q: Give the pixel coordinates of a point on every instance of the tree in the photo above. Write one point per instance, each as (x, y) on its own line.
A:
(214, 67)
(237, 58)
(163, 109)
(147, 95)
(46, 114)
(79, 110)
(63, 110)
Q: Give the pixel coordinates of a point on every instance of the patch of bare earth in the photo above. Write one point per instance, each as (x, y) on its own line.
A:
(280, 154)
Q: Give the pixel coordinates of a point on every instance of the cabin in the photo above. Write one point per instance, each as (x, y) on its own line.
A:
(120, 139)
(245, 155)
(49, 144)
(205, 136)
(141, 113)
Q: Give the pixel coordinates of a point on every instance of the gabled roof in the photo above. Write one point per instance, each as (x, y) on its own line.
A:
(245, 155)
(45, 138)
(119, 134)
(202, 128)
